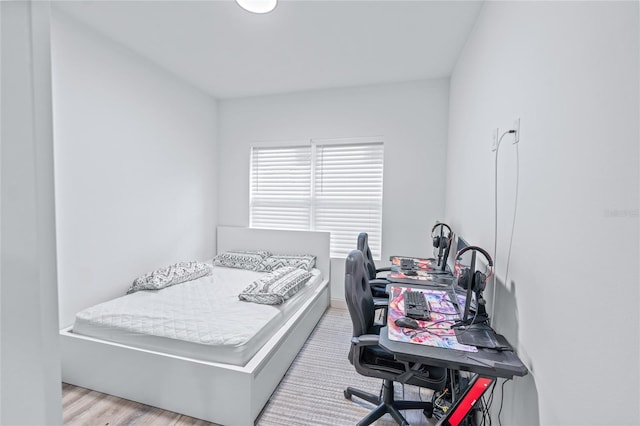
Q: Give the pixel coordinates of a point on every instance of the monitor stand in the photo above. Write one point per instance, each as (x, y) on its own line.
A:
(480, 317)
(445, 256)
(481, 313)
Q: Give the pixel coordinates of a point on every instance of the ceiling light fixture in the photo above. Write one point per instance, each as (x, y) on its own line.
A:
(258, 6)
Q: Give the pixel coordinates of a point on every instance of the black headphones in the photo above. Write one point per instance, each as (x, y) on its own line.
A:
(477, 279)
(440, 241)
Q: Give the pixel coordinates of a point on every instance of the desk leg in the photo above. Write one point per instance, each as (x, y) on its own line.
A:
(460, 409)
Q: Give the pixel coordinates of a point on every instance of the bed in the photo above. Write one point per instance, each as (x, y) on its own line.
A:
(229, 387)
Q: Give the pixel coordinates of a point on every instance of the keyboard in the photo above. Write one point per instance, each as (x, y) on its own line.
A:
(415, 305)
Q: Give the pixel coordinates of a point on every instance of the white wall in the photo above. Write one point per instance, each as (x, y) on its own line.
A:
(570, 71)
(135, 167)
(30, 392)
(412, 118)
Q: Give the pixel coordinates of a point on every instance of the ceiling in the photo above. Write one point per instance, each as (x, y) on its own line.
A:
(302, 45)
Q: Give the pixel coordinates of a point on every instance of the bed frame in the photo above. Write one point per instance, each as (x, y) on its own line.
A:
(219, 393)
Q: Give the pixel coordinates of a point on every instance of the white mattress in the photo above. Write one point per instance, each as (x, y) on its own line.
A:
(201, 319)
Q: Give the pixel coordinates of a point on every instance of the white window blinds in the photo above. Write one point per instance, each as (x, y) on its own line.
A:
(331, 186)
(281, 188)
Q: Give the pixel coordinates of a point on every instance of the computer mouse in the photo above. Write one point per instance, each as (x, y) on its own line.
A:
(406, 322)
(410, 272)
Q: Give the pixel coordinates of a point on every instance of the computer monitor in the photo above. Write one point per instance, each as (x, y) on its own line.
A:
(472, 297)
(461, 243)
(457, 244)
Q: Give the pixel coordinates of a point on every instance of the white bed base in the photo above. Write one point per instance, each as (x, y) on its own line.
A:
(219, 393)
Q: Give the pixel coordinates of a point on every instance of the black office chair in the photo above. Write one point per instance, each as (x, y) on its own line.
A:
(378, 285)
(370, 359)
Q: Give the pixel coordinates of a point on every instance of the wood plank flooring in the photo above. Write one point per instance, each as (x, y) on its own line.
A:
(84, 407)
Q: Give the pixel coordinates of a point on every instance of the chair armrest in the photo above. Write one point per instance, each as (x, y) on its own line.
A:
(365, 340)
(379, 281)
(380, 302)
(381, 305)
(379, 287)
(386, 269)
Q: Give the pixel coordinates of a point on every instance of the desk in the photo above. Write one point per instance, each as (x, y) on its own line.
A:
(422, 270)
(487, 364)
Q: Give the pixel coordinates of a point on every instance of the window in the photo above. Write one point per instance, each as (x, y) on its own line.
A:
(331, 186)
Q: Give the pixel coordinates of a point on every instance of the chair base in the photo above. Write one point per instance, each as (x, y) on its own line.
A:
(386, 403)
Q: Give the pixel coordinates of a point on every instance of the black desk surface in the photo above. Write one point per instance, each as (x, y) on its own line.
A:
(505, 364)
(434, 281)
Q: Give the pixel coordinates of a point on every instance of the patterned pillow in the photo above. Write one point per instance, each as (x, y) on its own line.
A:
(302, 261)
(276, 287)
(170, 275)
(241, 259)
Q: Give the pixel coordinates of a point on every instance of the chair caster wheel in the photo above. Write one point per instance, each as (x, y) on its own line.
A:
(428, 413)
(347, 394)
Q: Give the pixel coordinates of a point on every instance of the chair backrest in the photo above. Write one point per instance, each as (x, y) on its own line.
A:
(373, 360)
(358, 294)
(363, 246)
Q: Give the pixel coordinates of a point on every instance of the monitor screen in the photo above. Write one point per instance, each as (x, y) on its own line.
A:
(461, 243)
(457, 244)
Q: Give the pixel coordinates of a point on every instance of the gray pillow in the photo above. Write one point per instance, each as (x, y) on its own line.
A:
(170, 275)
(301, 261)
(276, 287)
(241, 259)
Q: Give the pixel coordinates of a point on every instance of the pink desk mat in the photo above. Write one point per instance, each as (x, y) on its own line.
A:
(435, 332)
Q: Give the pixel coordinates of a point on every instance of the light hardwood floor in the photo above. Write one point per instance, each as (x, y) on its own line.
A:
(84, 407)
